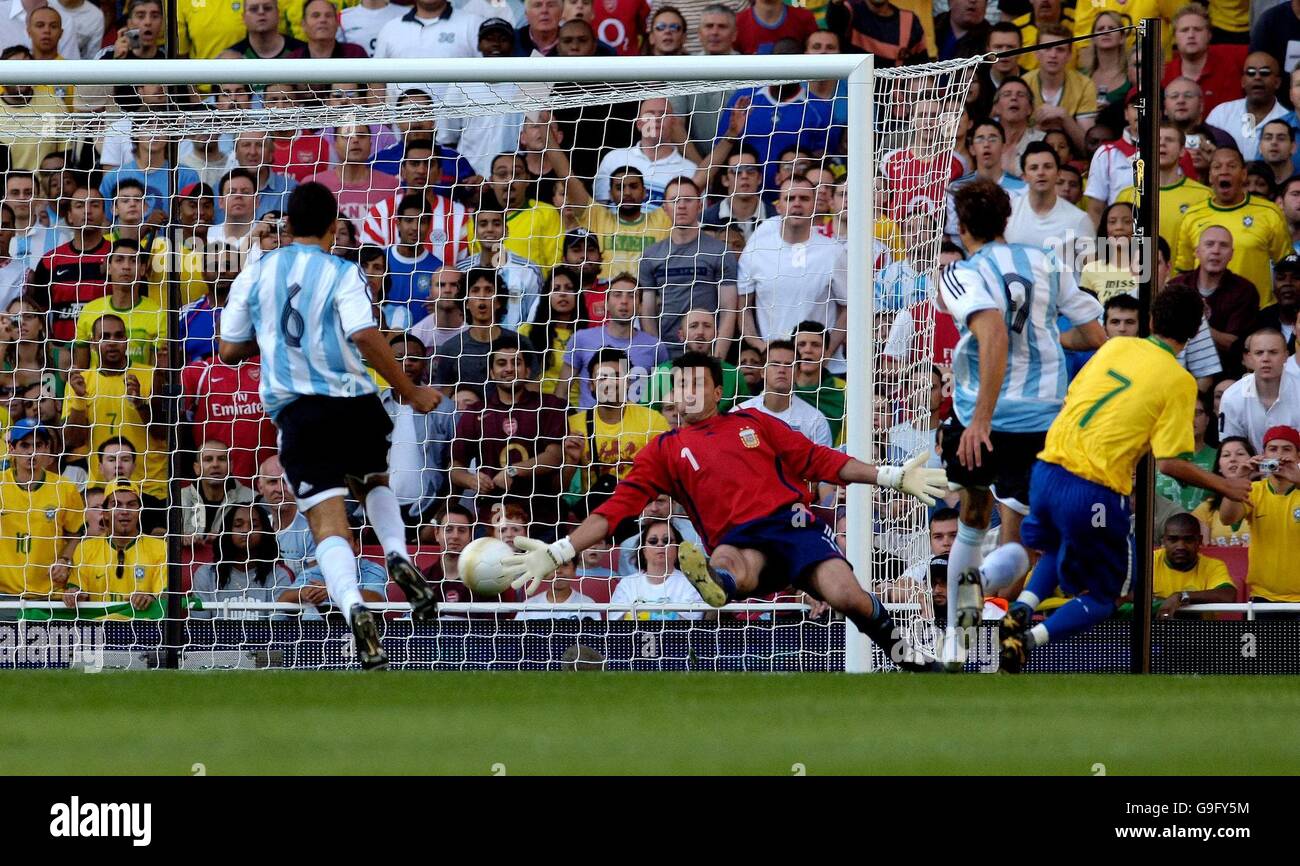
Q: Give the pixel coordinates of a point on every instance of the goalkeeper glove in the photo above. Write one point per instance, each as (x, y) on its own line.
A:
(914, 479)
(536, 561)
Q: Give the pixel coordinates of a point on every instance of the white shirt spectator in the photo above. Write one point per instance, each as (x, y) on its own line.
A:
(800, 415)
(545, 609)
(675, 590)
(1057, 230)
(1233, 118)
(13, 30)
(361, 26)
(486, 9)
(1242, 414)
(481, 138)
(13, 279)
(222, 234)
(657, 173)
(88, 21)
(1111, 169)
(452, 34)
(791, 283)
(626, 562)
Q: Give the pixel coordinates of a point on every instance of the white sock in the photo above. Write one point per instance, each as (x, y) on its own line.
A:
(965, 554)
(1038, 635)
(1004, 567)
(386, 517)
(338, 564)
(1028, 598)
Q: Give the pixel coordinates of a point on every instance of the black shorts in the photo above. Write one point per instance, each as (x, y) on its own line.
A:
(1005, 470)
(324, 441)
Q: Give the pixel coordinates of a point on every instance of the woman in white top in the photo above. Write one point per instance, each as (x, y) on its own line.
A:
(657, 580)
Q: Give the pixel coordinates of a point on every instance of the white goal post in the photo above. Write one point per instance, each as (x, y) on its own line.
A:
(881, 525)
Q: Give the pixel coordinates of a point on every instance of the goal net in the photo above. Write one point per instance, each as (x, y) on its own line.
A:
(539, 242)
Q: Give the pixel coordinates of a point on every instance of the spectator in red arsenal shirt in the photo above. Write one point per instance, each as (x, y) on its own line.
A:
(619, 24)
(223, 404)
(1216, 68)
(72, 275)
(767, 22)
(453, 529)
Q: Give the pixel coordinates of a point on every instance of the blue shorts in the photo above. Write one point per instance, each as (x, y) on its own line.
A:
(794, 543)
(1084, 526)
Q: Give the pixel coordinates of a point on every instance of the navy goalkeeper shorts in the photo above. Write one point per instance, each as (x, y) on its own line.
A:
(794, 542)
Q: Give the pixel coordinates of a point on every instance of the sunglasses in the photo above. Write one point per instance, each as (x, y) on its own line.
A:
(1257, 72)
(666, 27)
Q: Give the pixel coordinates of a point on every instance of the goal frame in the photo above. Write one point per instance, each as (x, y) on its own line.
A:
(857, 70)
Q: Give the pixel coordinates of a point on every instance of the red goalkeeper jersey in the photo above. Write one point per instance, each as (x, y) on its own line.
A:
(726, 471)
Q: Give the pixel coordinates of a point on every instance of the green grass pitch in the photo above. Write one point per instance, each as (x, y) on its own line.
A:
(464, 723)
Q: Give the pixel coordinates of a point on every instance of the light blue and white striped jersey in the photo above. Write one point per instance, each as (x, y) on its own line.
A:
(1030, 288)
(302, 305)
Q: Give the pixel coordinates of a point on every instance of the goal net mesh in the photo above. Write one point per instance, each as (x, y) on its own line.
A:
(537, 251)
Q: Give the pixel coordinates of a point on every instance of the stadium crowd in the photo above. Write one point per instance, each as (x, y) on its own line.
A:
(542, 269)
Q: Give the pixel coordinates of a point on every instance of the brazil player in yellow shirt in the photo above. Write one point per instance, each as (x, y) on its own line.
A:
(41, 515)
(1132, 397)
(124, 569)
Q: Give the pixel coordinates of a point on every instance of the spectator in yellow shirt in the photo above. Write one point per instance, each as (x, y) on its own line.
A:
(124, 569)
(146, 322)
(1180, 575)
(1274, 511)
(205, 29)
(1066, 99)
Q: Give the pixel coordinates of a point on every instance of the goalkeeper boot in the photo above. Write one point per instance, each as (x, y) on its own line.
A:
(695, 565)
(1015, 622)
(366, 636)
(424, 605)
(1014, 653)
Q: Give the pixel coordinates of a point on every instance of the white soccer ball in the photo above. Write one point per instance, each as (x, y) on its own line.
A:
(480, 566)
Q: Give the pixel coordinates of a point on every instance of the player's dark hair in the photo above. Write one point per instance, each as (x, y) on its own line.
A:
(944, 514)
(607, 355)
(312, 210)
(1039, 147)
(1122, 301)
(645, 528)
(1176, 313)
(983, 209)
(691, 360)
(1186, 521)
(261, 558)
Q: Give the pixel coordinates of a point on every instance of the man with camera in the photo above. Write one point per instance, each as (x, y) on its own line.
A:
(1274, 512)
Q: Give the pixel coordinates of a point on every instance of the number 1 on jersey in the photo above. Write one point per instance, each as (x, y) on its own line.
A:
(1124, 382)
(689, 458)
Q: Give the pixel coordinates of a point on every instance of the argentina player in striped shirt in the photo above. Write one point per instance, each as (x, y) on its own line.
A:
(310, 316)
(1010, 378)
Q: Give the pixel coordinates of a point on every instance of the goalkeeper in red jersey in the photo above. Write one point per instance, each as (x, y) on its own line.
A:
(743, 478)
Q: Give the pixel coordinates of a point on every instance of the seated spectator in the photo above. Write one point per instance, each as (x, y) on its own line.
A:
(420, 442)
(198, 321)
(1198, 57)
(1067, 100)
(151, 167)
(657, 579)
(624, 228)
(603, 441)
(582, 254)
(308, 588)
(1264, 399)
(320, 23)
(356, 185)
(812, 383)
(1232, 459)
(1105, 59)
(254, 152)
(223, 403)
(534, 229)
(644, 352)
(513, 448)
(264, 40)
(666, 33)
(410, 266)
(1231, 302)
(880, 28)
(1272, 507)
(449, 221)
(742, 206)
(247, 565)
(130, 224)
(778, 400)
(1277, 150)
(1110, 168)
(1069, 185)
(1180, 575)
(540, 32)
(74, 273)
(446, 311)
(1281, 314)
(687, 269)
(789, 273)
(34, 358)
(453, 529)
(659, 508)
(750, 364)
(40, 510)
(522, 278)
(962, 30)
(293, 536)
(558, 591)
(1259, 180)
(986, 141)
(117, 461)
(1244, 118)
(463, 359)
(1013, 107)
(145, 320)
(213, 490)
(449, 174)
(204, 153)
(933, 572)
(552, 325)
(123, 569)
(697, 333)
(196, 213)
(1188, 496)
(767, 22)
(96, 514)
(239, 211)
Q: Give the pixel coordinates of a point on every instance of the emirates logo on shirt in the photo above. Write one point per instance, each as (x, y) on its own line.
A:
(748, 437)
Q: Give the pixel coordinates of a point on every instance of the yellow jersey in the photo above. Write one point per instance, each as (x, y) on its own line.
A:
(110, 575)
(1220, 532)
(146, 324)
(16, 123)
(1274, 540)
(1175, 201)
(1029, 36)
(34, 523)
(1107, 282)
(622, 241)
(205, 29)
(1259, 237)
(1078, 95)
(1133, 396)
(110, 413)
(554, 356)
(1209, 573)
(617, 444)
(535, 232)
(1230, 15)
